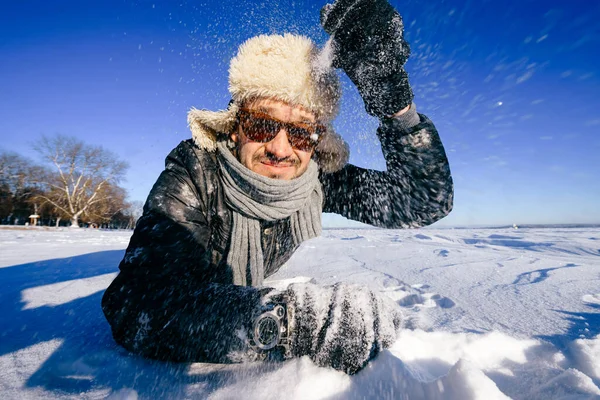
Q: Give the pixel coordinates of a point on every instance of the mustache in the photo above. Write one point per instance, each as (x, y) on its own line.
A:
(271, 158)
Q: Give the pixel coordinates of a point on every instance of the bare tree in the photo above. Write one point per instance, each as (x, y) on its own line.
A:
(15, 171)
(81, 177)
(55, 214)
(18, 188)
(102, 212)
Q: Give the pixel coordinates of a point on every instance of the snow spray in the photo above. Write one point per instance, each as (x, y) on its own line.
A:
(324, 59)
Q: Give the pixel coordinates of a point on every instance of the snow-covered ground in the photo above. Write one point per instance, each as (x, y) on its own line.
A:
(490, 314)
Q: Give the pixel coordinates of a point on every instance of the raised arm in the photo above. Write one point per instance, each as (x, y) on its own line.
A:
(416, 189)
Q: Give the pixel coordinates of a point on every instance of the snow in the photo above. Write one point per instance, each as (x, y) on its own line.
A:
(489, 314)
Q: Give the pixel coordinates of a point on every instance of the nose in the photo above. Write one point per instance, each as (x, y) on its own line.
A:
(280, 146)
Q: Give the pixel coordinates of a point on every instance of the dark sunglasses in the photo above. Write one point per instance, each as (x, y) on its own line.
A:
(261, 127)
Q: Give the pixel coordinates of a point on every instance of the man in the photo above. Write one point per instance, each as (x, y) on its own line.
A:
(236, 201)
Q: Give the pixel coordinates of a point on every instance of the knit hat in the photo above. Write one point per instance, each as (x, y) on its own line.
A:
(285, 68)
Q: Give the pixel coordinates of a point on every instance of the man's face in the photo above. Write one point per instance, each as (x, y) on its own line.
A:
(277, 158)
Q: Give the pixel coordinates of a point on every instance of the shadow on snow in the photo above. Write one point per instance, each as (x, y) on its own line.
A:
(87, 357)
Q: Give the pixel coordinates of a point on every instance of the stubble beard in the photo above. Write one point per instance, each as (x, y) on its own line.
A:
(257, 159)
(291, 161)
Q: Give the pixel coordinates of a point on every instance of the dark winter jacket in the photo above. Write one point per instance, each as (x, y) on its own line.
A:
(174, 298)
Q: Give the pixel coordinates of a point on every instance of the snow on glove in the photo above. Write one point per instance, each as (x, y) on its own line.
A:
(370, 47)
(340, 326)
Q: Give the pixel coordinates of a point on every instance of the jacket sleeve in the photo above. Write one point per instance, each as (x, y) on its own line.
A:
(168, 302)
(416, 189)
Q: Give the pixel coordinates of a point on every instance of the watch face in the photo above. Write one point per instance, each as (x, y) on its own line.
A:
(266, 332)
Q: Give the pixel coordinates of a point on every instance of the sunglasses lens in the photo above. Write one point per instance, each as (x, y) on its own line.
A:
(262, 128)
(301, 139)
(259, 129)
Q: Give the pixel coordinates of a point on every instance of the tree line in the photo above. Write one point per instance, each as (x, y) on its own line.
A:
(73, 184)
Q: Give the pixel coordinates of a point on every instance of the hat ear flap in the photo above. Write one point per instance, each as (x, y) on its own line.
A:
(332, 152)
(207, 126)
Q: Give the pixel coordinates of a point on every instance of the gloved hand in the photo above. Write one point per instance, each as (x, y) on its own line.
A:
(369, 46)
(340, 326)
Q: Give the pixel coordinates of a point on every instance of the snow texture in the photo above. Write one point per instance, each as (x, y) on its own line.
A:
(489, 314)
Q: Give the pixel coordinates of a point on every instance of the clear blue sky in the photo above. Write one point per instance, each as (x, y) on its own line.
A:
(513, 87)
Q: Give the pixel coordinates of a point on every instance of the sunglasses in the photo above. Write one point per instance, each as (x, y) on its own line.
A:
(261, 127)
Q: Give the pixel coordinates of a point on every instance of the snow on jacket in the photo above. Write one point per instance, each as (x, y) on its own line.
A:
(174, 298)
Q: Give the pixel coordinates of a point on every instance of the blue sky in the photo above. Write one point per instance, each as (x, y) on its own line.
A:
(512, 87)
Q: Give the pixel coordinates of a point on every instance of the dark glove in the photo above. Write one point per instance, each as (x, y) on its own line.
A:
(369, 46)
(341, 326)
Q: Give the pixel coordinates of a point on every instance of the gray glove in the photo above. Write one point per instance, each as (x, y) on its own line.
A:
(370, 47)
(340, 326)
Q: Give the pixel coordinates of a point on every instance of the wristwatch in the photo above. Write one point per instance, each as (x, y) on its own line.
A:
(270, 329)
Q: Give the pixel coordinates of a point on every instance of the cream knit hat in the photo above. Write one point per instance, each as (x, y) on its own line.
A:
(284, 68)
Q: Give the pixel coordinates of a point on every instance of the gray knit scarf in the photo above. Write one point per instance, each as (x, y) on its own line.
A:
(254, 198)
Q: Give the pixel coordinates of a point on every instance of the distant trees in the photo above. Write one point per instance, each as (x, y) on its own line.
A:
(83, 178)
(17, 186)
(76, 181)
